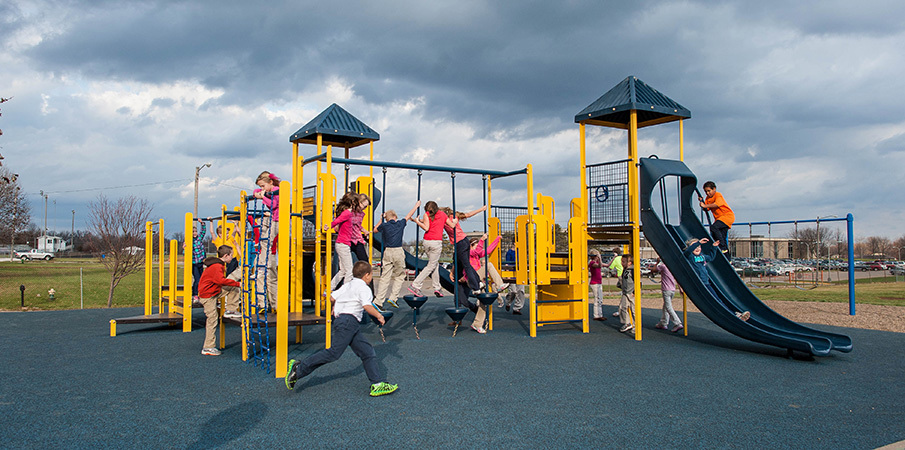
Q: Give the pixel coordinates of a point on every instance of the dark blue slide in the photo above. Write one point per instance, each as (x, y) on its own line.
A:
(765, 325)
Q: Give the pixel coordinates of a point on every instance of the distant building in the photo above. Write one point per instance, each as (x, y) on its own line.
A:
(763, 247)
(51, 244)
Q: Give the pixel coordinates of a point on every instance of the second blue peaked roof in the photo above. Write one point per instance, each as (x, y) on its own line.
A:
(612, 109)
(337, 127)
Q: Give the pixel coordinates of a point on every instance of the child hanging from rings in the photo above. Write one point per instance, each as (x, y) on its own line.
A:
(268, 193)
(432, 223)
(393, 261)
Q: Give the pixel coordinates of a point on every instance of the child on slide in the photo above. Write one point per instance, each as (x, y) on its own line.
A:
(699, 259)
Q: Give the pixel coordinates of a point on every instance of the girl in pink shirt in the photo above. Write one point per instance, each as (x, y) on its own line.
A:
(462, 246)
(596, 281)
(345, 233)
(432, 223)
(267, 184)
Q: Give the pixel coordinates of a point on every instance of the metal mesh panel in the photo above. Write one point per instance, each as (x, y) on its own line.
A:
(507, 215)
(608, 193)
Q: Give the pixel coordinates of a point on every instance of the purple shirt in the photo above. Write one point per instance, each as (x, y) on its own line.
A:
(594, 268)
(667, 281)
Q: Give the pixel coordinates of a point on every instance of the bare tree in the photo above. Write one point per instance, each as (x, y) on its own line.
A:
(15, 212)
(118, 228)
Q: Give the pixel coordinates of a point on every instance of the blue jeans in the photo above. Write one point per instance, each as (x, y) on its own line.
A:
(346, 333)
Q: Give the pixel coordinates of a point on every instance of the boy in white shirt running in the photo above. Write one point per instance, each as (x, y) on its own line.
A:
(349, 302)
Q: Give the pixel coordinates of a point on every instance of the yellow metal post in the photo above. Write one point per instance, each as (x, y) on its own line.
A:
(283, 293)
(583, 231)
(171, 290)
(370, 213)
(319, 198)
(532, 273)
(328, 242)
(187, 275)
(161, 248)
(635, 216)
(245, 289)
(490, 237)
(149, 266)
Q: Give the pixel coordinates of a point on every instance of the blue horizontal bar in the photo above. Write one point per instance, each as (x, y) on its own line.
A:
(779, 222)
(398, 165)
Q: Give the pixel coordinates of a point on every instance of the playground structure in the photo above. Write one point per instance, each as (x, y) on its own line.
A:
(614, 207)
(173, 303)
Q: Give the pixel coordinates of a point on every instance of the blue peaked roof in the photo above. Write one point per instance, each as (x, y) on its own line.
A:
(337, 127)
(612, 109)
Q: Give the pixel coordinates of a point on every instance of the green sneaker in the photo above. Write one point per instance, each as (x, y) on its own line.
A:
(377, 307)
(383, 388)
(392, 302)
(291, 376)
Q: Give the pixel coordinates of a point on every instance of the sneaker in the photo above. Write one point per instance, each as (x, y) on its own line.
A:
(480, 330)
(415, 291)
(383, 388)
(438, 293)
(508, 306)
(517, 312)
(392, 302)
(210, 351)
(616, 314)
(291, 375)
(503, 287)
(743, 316)
(626, 327)
(376, 306)
(660, 326)
(232, 315)
(677, 328)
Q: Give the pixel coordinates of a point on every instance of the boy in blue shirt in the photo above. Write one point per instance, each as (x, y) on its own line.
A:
(699, 259)
(349, 302)
(393, 261)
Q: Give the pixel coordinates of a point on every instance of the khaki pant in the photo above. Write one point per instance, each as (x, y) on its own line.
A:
(344, 255)
(432, 249)
(392, 275)
(479, 316)
(233, 293)
(494, 275)
(268, 228)
(626, 306)
(213, 318)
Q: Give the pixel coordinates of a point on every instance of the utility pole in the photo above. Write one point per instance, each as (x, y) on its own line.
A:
(45, 222)
(197, 170)
(72, 234)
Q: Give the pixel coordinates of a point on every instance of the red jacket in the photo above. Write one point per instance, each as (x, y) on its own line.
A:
(213, 278)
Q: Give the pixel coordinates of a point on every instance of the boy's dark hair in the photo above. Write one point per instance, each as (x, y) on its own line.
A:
(361, 268)
(710, 184)
(224, 250)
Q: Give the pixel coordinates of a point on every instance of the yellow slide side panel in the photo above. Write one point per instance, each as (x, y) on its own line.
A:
(544, 239)
(559, 311)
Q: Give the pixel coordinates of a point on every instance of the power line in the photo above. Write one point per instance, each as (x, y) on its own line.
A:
(119, 187)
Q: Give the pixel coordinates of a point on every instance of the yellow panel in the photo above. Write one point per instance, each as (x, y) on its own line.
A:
(493, 231)
(543, 249)
(521, 250)
(560, 311)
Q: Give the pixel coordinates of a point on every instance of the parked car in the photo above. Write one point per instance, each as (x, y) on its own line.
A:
(34, 254)
(858, 265)
(897, 270)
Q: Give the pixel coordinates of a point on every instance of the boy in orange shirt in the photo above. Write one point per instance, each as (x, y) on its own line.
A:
(723, 217)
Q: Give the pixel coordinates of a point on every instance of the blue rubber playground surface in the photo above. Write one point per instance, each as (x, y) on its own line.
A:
(67, 383)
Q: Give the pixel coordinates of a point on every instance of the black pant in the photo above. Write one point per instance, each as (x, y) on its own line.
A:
(720, 232)
(197, 270)
(360, 251)
(346, 333)
(463, 260)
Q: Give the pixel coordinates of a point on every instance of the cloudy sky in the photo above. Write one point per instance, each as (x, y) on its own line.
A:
(797, 107)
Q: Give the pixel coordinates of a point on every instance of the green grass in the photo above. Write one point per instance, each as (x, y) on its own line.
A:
(63, 276)
(867, 291)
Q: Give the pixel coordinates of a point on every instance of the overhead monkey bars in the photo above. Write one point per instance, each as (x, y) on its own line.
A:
(398, 165)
